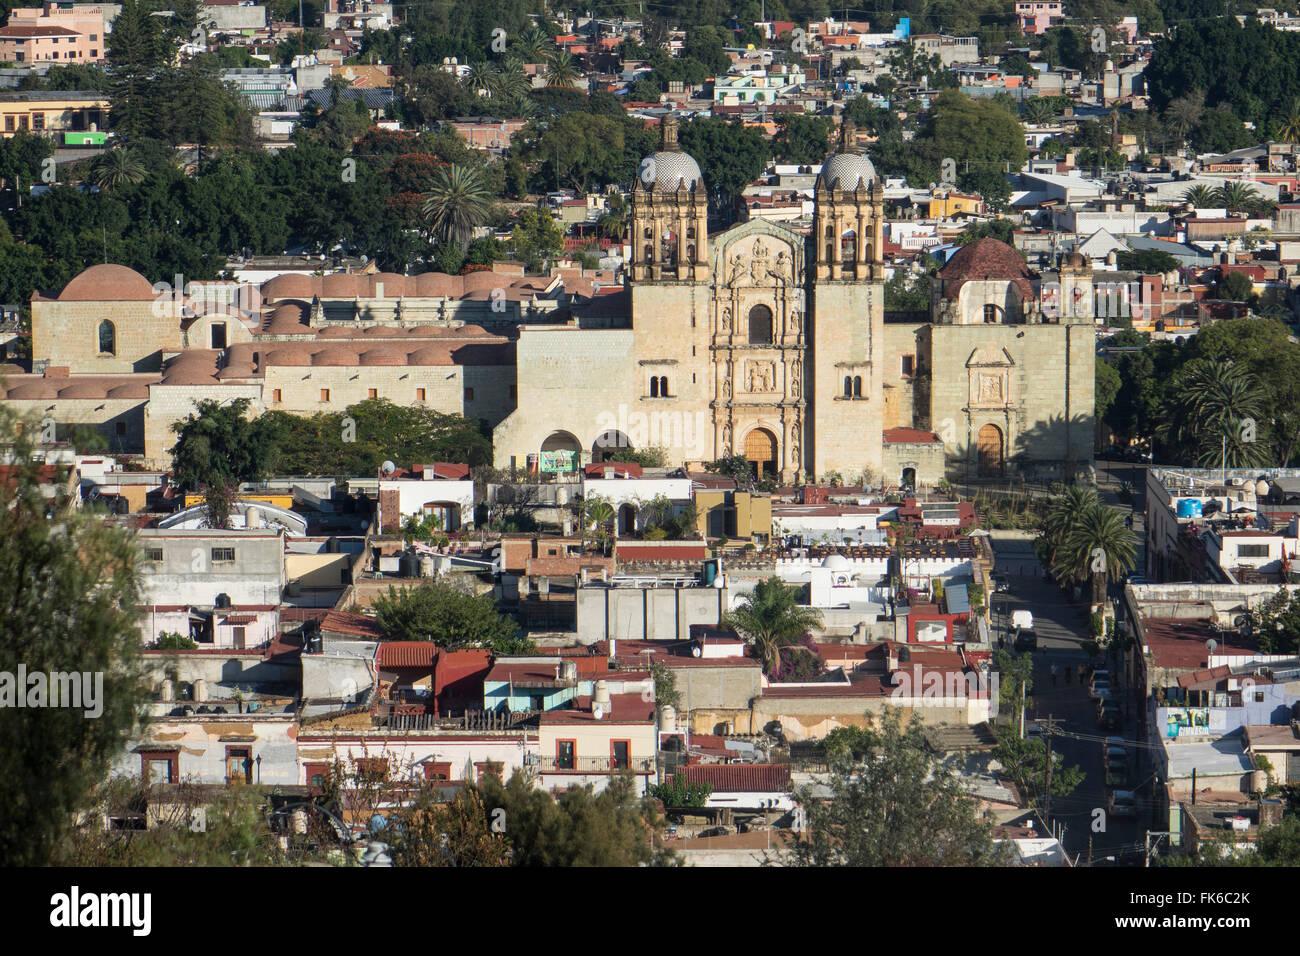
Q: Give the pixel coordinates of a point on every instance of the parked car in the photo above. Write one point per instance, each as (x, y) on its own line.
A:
(1001, 584)
(1026, 640)
(1033, 730)
(1122, 803)
(1108, 715)
(1099, 689)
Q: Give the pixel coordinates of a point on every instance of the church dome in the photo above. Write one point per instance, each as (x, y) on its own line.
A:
(668, 168)
(848, 167)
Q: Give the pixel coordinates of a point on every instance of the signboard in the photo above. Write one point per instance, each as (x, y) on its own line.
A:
(558, 462)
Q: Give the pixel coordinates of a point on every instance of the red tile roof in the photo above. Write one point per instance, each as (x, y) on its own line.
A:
(404, 654)
(351, 625)
(986, 259)
(740, 778)
(624, 469)
(909, 436)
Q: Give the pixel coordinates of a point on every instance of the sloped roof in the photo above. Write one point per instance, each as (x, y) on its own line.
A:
(740, 778)
(986, 259)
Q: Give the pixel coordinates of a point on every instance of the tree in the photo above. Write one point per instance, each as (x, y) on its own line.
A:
(801, 138)
(561, 70)
(448, 616)
(1185, 112)
(69, 587)
(1237, 197)
(456, 833)
(598, 514)
(217, 448)
(770, 618)
(457, 204)
(1146, 261)
(1097, 547)
(579, 828)
(1219, 414)
(894, 804)
(1236, 286)
(731, 156)
(116, 168)
(1025, 762)
(1058, 521)
(536, 237)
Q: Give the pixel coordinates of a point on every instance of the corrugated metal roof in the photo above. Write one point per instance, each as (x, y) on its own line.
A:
(958, 599)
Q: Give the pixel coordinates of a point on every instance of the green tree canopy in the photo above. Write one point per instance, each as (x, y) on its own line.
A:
(448, 616)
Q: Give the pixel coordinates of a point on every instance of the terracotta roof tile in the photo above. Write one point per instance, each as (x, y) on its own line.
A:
(740, 778)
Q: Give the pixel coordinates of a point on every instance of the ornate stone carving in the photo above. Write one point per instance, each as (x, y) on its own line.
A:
(760, 376)
(726, 320)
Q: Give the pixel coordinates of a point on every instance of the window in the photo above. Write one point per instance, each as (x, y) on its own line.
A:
(38, 121)
(760, 325)
(120, 429)
(275, 395)
(991, 314)
(565, 754)
(9, 120)
(223, 555)
(848, 386)
(372, 393)
(908, 365)
(317, 775)
(324, 394)
(160, 766)
(437, 770)
(93, 38)
(469, 394)
(663, 386)
(620, 754)
(22, 122)
(654, 387)
(419, 394)
(239, 765)
(240, 633)
(1252, 551)
(857, 386)
(154, 554)
(107, 338)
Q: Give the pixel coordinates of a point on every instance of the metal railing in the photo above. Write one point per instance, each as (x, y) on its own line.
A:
(593, 765)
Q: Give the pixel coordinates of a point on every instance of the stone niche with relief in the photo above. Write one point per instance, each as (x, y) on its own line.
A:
(990, 377)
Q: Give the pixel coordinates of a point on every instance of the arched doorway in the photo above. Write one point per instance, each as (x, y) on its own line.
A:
(760, 449)
(909, 478)
(989, 448)
(561, 453)
(626, 519)
(607, 443)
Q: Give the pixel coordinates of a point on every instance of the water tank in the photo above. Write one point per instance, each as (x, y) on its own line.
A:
(601, 694)
(1189, 508)
(426, 566)
(200, 687)
(569, 669)
(1258, 781)
(667, 716)
(710, 572)
(1261, 488)
(253, 517)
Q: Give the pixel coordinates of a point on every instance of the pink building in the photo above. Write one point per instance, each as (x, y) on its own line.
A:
(57, 32)
(1035, 17)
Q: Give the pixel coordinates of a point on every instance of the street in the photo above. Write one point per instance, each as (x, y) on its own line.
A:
(1062, 629)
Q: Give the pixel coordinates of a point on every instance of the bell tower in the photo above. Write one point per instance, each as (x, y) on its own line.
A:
(669, 216)
(848, 220)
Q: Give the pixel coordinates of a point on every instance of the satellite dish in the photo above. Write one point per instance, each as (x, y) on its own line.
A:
(1211, 644)
(388, 468)
(597, 711)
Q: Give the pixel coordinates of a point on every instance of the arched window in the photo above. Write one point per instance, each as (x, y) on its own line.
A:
(857, 386)
(848, 386)
(690, 232)
(654, 387)
(830, 252)
(760, 325)
(690, 253)
(649, 253)
(991, 314)
(107, 338)
(649, 233)
(663, 386)
(830, 232)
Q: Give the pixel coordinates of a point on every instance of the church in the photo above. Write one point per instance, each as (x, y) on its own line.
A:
(764, 342)
(757, 340)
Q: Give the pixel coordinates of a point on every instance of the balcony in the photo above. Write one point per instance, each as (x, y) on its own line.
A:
(592, 765)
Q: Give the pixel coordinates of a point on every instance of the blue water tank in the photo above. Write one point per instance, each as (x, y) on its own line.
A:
(710, 572)
(1189, 508)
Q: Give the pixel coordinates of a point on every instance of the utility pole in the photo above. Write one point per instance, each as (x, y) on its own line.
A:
(1049, 728)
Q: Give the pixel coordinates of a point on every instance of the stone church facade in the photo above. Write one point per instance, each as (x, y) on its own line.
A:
(763, 342)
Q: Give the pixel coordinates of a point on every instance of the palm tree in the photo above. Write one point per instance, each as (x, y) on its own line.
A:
(1288, 130)
(770, 618)
(533, 45)
(1199, 196)
(612, 224)
(1036, 110)
(1218, 414)
(481, 78)
(1099, 547)
(1059, 520)
(561, 70)
(116, 168)
(598, 514)
(457, 204)
(1235, 196)
(510, 80)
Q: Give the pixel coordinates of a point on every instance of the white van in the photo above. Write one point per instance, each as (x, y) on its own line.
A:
(1022, 619)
